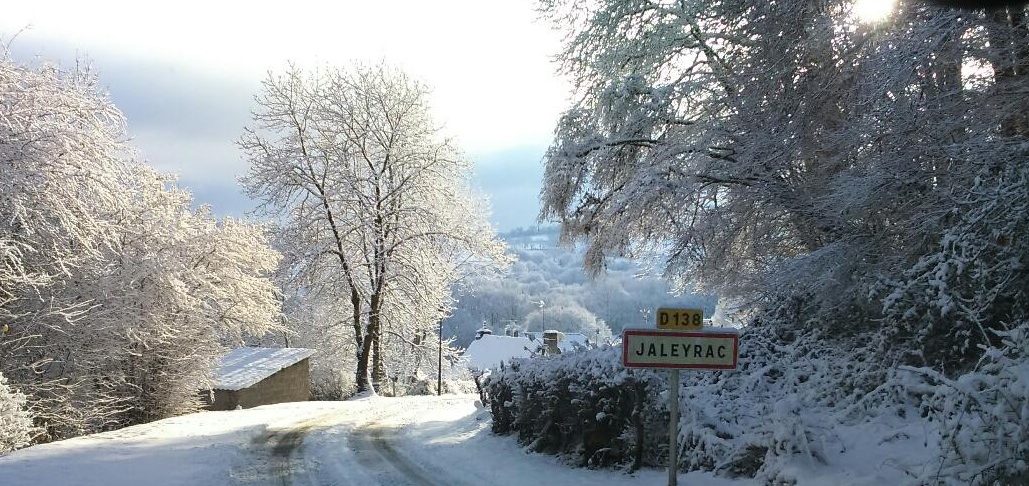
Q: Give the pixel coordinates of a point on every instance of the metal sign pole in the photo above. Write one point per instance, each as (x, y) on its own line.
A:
(680, 342)
(673, 426)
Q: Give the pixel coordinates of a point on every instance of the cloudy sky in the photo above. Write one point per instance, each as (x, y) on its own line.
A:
(185, 74)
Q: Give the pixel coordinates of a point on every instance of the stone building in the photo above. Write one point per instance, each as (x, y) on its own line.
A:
(250, 376)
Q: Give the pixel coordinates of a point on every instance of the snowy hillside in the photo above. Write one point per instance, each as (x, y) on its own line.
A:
(623, 296)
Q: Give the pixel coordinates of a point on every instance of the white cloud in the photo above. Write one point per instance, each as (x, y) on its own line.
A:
(185, 72)
(488, 62)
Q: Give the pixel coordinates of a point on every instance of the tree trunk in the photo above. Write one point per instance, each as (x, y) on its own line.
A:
(378, 370)
(375, 335)
(419, 340)
(365, 352)
(361, 374)
(373, 341)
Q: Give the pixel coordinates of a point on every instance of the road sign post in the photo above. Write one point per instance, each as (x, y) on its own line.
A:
(673, 426)
(680, 342)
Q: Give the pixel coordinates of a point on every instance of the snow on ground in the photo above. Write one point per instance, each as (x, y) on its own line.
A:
(378, 440)
(874, 453)
(411, 440)
(197, 449)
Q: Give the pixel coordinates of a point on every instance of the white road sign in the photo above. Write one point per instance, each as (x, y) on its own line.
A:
(714, 349)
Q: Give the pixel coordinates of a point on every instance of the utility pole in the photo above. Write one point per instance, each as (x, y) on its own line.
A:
(439, 361)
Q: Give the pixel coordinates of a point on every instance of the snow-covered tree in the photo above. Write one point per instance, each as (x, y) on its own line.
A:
(204, 284)
(61, 150)
(568, 316)
(62, 176)
(784, 149)
(857, 190)
(116, 296)
(374, 202)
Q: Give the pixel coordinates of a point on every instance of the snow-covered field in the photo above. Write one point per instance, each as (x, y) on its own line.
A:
(411, 440)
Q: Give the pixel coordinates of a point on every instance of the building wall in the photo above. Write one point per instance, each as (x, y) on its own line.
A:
(292, 384)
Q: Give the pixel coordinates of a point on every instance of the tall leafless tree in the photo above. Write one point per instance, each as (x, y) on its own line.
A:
(374, 201)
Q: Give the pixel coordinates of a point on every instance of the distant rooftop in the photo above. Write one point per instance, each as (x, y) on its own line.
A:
(488, 351)
(568, 341)
(573, 341)
(244, 367)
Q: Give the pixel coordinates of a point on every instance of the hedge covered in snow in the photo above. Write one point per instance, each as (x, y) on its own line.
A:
(798, 403)
(582, 405)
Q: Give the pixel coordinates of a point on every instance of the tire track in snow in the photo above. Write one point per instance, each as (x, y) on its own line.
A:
(333, 450)
(374, 451)
(280, 460)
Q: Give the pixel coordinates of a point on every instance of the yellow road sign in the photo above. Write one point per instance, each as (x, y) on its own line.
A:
(668, 318)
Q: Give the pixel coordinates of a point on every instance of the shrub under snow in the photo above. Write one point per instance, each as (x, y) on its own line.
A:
(798, 402)
(15, 423)
(984, 415)
(584, 406)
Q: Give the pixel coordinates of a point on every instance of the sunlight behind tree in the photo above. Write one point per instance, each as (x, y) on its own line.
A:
(873, 11)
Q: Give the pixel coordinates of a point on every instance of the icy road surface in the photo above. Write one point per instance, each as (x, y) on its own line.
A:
(388, 441)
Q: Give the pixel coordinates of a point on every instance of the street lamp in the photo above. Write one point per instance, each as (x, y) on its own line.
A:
(544, 316)
(439, 360)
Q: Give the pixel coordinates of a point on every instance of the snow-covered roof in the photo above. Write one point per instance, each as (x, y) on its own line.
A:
(488, 351)
(573, 341)
(566, 341)
(244, 367)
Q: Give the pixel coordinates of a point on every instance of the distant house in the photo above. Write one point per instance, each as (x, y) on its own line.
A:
(489, 350)
(248, 377)
(566, 341)
(574, 341)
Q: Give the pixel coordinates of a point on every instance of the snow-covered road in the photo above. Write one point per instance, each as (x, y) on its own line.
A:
(388, 441)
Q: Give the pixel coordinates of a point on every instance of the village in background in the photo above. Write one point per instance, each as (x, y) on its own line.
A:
(543, 305)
